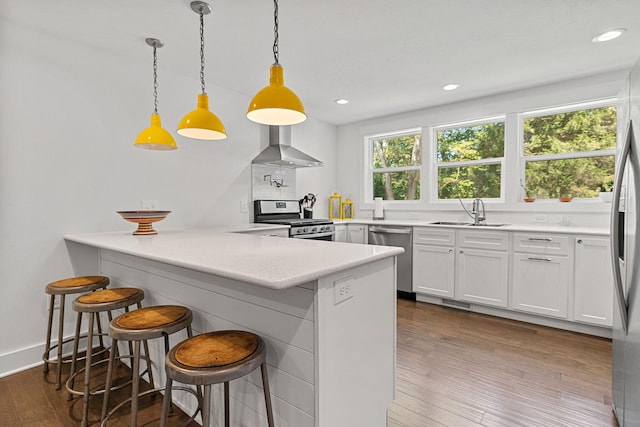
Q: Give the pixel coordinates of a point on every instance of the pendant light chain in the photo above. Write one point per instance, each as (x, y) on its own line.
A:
(155, 81)
(202, 52)
(276, 53)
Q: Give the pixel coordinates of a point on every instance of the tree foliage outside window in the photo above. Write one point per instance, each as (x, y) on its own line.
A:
(396, 166)
(469, 160)
(570, 154)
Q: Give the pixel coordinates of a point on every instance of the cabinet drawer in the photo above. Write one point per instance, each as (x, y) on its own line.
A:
(483, 240)
(434, 236)
(541, 243)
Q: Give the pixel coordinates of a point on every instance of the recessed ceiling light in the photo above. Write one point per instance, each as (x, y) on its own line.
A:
(609, 35)
(341, 101)
(451, 86)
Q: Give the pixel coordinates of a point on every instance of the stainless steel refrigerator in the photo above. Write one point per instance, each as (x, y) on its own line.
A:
(625, 243)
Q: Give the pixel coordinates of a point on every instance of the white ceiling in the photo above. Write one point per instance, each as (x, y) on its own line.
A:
(384, 56)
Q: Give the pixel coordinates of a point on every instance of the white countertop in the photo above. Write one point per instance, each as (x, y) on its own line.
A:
(537, 228)
(273, 262)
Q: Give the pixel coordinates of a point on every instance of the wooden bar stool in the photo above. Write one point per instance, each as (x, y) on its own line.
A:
(213, 358)
(142, 325)
(95, 303)
(73, 285)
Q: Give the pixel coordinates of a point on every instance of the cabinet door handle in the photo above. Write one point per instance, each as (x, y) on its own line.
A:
(539, 259)
(540, 239)
(450, 251)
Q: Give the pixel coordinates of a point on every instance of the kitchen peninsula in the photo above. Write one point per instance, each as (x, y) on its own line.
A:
(326, 311)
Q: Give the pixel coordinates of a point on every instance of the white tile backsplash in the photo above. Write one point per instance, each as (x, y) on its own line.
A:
(265, 182)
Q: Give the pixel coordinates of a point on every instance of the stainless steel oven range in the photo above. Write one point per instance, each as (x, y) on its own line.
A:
(287, 212)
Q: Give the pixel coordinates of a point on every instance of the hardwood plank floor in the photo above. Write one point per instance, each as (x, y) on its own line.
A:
(455, 368)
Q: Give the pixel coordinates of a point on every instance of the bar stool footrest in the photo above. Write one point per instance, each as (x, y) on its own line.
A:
(103, 423)
(102, 390)
(67, 359)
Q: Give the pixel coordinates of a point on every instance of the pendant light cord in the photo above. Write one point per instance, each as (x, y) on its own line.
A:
(155, 81)
(202, 52)
(276, 53)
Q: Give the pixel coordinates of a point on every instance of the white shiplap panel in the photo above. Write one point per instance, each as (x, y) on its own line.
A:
(282, 326)
(294, 301)
(289, 338)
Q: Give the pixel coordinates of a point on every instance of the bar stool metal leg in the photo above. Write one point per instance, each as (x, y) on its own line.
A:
(60, 342)
(87, 377)
(267, 394)
(47, 348)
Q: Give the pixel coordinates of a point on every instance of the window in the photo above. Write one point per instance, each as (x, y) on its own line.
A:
(569, 153)
(395, 161)
(469, 159)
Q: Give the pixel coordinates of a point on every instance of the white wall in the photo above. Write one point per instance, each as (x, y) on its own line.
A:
(351, 155)
(68, 117)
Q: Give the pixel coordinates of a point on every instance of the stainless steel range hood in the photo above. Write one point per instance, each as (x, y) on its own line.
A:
(280, 152)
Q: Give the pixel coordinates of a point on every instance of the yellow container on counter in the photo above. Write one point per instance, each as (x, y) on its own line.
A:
(335, 206)
(347, 209)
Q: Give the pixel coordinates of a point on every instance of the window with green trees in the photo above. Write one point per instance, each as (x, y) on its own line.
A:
(570, 153)
(566, 151)
(469, 158)
(396, 160)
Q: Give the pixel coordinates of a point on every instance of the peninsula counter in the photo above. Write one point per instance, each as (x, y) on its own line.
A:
(326, 310)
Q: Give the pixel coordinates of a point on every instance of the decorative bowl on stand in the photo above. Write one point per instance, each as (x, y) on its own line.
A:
(144, 219)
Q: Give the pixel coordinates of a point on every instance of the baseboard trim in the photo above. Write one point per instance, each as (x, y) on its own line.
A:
(20, 360)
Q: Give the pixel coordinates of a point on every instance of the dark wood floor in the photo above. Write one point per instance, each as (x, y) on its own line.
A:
(455, 368)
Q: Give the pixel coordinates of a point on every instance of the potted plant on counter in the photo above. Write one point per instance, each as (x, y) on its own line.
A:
(529, 197)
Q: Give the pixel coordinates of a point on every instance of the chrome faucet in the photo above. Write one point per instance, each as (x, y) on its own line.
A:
(477, 209)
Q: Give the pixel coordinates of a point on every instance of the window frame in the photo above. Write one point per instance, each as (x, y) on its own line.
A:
(566, 108)
(435, 166)
(370, 170)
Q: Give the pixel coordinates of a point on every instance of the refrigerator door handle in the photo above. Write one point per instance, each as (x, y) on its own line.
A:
(615, 227)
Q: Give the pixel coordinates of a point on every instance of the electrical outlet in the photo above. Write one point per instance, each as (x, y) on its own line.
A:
(244, 206)
(56, 302)
(342, 290)
(540, 218)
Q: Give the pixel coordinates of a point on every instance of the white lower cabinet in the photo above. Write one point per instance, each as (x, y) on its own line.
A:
(483, 277)
(541, 284)
(433, 270)
(356, 233)
(593, 290)
(351, 233)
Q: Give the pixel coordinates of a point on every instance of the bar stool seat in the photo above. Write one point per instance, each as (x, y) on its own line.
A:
(95, 303)
(213, 358)
(142, 325)
(72, 285)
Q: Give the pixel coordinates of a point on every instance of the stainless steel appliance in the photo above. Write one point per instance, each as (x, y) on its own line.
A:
(287, 212)
(402, 237)
(626, 267)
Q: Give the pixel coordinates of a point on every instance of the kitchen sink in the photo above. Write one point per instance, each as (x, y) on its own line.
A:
(449, 223)
(487, 225)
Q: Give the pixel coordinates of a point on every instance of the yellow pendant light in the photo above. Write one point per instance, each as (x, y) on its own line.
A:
(155, 137)
(202, 123)
(276, 104)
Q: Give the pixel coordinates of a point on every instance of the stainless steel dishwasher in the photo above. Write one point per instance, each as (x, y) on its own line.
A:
(387, 235)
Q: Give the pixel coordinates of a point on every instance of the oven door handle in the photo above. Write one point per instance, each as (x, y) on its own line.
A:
(314, 235)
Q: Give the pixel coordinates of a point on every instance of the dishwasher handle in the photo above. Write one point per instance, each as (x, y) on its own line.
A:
(387, 230)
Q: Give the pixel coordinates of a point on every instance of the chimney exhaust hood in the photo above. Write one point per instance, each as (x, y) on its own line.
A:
(280, 153)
